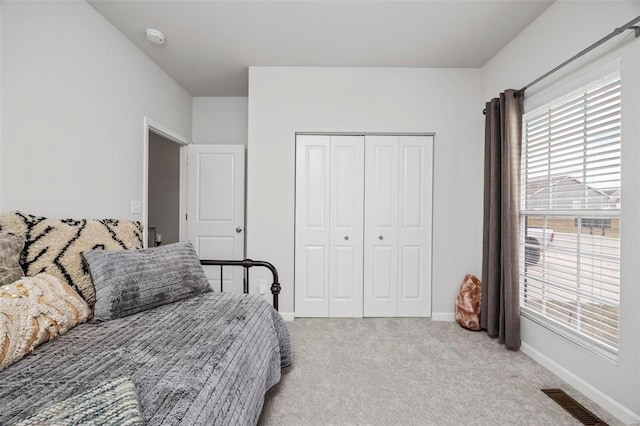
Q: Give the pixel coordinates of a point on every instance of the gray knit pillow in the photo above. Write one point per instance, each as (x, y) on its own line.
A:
(130, 281)
(10, 250)
(112, 403)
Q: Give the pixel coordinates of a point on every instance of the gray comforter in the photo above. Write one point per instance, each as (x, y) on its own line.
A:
(207, 360)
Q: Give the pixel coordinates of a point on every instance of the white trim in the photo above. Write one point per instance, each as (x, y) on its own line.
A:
(287, 316)
(184, 164)
(165, 132)
(443, 316)
(612, 406)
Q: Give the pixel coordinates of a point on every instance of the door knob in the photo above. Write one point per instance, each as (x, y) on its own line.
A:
(238, 230)
(381, 237)
(346, 237)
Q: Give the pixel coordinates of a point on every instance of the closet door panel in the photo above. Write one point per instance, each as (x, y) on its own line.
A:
(312, 226)
(381, 226)
(411, 273)
(414, 226)
(346, 222)
(383, 276)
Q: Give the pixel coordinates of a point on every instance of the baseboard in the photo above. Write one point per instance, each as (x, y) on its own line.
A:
(287, 316)
(443, 316)
(612, 406)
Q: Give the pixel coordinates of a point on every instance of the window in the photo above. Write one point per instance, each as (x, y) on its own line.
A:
(570, 215)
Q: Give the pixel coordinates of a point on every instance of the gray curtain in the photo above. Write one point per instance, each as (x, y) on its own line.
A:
(500, 310)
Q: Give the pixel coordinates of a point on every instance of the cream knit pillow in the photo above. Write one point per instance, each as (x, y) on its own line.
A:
(34, 310)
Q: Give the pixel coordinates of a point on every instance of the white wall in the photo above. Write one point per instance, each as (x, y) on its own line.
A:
(286, 100)
(220, 120)
(560, 32)
(74, 94)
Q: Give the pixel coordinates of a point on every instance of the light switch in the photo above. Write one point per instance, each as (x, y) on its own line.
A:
(263, 286)
(136, 207)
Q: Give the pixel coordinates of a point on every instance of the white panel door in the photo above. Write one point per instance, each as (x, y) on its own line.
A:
(381, 227)
(215, 209)
(415, 156)
(346, 226)
(312, 236)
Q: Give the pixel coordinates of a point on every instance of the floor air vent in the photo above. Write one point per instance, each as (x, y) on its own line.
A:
(574, 408)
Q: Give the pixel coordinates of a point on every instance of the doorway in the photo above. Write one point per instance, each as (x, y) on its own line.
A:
(164, 191)
(164, 186)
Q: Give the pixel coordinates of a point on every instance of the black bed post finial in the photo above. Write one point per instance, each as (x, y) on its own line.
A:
(275, 291)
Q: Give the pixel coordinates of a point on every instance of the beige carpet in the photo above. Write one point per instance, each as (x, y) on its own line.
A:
(409, 371)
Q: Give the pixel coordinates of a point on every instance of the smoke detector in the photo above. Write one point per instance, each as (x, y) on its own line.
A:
(155, 36)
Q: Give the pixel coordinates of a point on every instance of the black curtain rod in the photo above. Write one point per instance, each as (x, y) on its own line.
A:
(628, 26)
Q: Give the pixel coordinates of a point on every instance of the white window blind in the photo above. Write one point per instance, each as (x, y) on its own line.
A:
(570, 215)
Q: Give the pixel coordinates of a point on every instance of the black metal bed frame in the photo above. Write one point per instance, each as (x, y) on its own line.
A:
(246, 264)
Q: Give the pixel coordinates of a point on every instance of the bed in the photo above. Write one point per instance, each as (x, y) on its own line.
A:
(180, 352)
(207, 360)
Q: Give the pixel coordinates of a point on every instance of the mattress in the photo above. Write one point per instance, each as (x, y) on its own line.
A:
(201, 361)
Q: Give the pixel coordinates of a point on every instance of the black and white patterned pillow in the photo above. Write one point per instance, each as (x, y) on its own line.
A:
(55, 246)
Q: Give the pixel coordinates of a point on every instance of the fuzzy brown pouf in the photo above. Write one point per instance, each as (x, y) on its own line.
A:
(468, 303)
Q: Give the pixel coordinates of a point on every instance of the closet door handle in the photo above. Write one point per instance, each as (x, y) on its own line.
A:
(346, 237)
(238, 230)
(381, 237)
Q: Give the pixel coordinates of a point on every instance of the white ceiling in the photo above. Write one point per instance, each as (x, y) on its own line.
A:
(210, 44)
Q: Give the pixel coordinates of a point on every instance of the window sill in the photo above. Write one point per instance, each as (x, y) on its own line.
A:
(607, 353)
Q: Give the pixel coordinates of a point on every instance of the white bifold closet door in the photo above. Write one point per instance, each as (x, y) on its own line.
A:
(363, 226)
(397, 232)
(329, 225)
